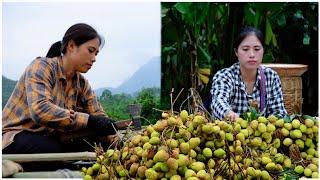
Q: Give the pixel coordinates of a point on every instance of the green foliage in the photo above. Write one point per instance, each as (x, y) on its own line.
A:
(252, 114)
(7, 88)
(288, 174)
(116, 105)
(309, 117)
(149, 98)
(287, 119)
(191, 33)
(290, 118)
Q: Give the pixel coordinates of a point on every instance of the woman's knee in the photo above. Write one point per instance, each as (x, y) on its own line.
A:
(29, 143)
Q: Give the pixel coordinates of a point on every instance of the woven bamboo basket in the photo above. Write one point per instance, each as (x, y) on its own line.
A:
(291, 83)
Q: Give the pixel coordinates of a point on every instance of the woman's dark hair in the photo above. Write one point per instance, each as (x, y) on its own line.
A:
(246, 31)
(79, 33)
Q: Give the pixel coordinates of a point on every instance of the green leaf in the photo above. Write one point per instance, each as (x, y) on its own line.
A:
(204, 57)
(298, 14)
(268, 56)
(288, 174)
(220, 11)
(183, 7)
(293, 116)
(281, 20)
(270, 36)
(214, 39)
(168, 59)
(193, 13)
(309, 117)
(251, 114)
(245, 116)
(269, 32)
(167, 4)
(168, 49)
(292, 177)
(287, 119)
(274, 41)
(169, 28)
(202, 10)
(257, 19)
(249, 15)
(164, 12)
(174, 60)
(273, 6)
(306, 39)
(252, 14)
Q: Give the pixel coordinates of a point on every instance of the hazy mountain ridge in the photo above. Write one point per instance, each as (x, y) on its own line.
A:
(148, 75)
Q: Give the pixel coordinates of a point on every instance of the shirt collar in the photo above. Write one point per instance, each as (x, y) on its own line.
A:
(77, 80)
(60, 72)
(61, 75)
(237, 74)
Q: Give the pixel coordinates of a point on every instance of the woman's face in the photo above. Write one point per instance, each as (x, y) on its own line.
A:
(84, 56)
(250, 52)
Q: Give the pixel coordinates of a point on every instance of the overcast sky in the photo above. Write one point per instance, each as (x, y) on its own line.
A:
(131, 30)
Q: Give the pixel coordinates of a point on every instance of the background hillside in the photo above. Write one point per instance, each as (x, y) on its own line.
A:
(7, 88)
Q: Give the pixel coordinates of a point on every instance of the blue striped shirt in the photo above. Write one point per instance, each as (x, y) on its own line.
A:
(229, 93)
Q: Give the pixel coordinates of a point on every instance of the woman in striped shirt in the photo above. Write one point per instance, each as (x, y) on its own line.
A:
(235, 87)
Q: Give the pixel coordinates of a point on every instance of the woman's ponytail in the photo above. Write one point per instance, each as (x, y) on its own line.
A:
(55, 50)
(79, 34)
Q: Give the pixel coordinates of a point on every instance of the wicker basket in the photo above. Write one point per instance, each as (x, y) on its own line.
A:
(291, 82)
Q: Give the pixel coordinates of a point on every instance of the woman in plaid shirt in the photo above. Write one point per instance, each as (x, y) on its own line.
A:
(235, 87)
(52, 98)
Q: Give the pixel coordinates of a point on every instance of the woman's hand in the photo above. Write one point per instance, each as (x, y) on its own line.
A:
(72, 115)
(113, 139)
(102, 125)
(232, 115)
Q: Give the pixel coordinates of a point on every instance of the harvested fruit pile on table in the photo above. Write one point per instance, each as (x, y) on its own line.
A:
(193, 147)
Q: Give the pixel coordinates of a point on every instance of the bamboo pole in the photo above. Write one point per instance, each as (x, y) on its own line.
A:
(48, 174)
(20, 158)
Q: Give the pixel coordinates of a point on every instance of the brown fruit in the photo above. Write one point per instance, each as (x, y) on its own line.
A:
(172, 163)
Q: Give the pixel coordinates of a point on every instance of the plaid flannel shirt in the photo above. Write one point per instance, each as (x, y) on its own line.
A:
(40, 103)
(229, 93)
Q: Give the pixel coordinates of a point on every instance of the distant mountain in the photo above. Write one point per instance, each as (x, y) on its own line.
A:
(147, 76)
(99, 91)
(7, 88)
